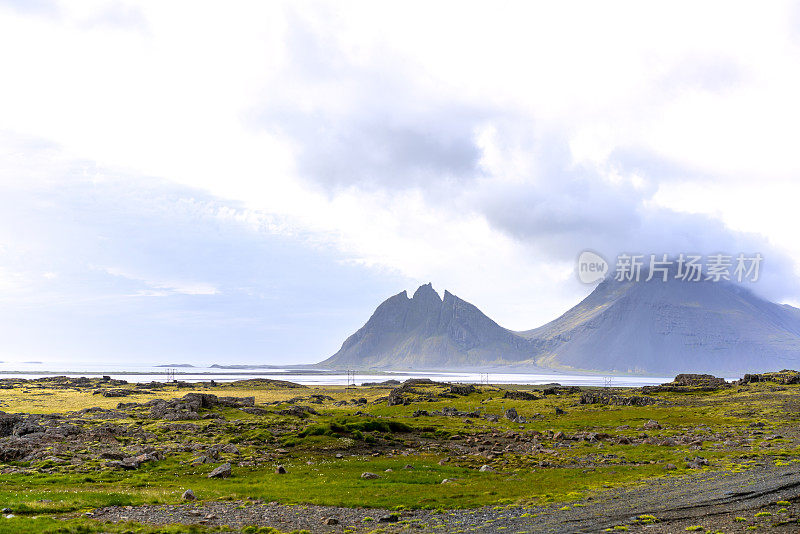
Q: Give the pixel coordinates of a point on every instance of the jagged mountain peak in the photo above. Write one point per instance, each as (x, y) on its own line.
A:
(655, 327)
(428, 332)
(426, 292)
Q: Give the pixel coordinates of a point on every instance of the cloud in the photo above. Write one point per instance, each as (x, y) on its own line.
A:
(116, 15)
(168, 287)
(256, 150)
(361, 123)
(33, 7)
(525, 176)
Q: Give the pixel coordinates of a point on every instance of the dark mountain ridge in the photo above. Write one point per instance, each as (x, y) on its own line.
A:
(427, 332)
(644, 327)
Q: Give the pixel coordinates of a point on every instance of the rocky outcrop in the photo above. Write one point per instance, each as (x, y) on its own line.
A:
(520, 395)
(591, 397)
(187, 407)
(787, 376)
(689, 383)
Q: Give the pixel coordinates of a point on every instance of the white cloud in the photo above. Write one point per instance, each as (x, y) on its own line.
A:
(556, 126)
(167, 287)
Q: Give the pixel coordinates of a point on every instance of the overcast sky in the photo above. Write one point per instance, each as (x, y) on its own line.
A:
(244, 182)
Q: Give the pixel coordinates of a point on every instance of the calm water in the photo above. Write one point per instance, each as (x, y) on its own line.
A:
(197, 374)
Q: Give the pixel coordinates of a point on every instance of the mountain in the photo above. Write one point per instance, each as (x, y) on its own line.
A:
(428, 332)
(655, 328)
(661, 327)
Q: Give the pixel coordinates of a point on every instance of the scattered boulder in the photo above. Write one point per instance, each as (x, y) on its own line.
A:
(188, 495)
(7, 423)
(651, 425)
(118, 392)
(462, 389)
(487, 469)
(520, 395)
(786, 377)
(688, 382)
(369, 476)
(299, 411)
(696, 463)
(223, 471)
(592, 397)
(280, 470)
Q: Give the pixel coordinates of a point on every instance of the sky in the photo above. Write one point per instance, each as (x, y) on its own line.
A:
(193, 182)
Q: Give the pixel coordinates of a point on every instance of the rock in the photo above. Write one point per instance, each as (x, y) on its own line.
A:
(520, 395)
(651, 425)
(369, 476)
(670, 467)
(591, 397)
(118, 392)
(511, 414)
(487, 469)
(188, 495)
(280, 470)
(446, 481)
(6, 510)
(460, 389)
(330, 521)
(559, 436)
(408, 466)
(690, 383)
(7, 423)
(390, 518)
(697, 462)
(786, 376)
(559, 411)
(298, 411)
(223, 471)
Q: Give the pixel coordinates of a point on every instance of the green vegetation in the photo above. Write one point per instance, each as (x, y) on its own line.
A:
(427, 448)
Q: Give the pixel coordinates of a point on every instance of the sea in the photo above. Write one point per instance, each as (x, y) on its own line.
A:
(312, 377)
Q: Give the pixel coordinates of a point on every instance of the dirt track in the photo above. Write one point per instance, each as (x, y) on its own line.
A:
(712, 500)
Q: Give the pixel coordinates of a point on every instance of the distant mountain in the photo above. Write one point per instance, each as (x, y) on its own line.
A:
(661, 327)
(428, 332)
(656, 328)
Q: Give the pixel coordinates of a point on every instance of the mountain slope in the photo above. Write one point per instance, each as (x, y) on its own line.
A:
(427, 332)
(661, 327)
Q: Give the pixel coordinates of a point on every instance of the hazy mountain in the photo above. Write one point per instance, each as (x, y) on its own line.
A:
(428, 332)
(655, 327)
(675, 326)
